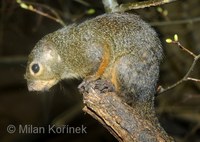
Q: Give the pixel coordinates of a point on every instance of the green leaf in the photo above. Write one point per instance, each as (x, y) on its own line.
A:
(168, 40)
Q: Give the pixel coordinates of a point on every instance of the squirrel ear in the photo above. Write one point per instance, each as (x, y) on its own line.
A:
(48, 46)
(50, 51)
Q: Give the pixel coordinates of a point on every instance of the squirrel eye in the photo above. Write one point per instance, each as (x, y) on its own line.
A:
(35, 68)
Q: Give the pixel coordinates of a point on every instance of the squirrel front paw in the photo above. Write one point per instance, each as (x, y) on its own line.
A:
(101, 85)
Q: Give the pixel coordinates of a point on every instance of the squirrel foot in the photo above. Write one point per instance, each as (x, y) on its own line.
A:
(104, 86)
(101, 85)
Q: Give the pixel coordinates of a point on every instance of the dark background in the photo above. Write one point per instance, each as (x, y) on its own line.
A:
(178, 109)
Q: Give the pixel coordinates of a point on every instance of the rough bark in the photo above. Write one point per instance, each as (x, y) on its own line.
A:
(122, 121)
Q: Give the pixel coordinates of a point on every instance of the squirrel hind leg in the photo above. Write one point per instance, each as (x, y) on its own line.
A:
(137, 78)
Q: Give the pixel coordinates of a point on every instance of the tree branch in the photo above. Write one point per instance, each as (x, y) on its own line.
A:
(143, 4)
(122, 121)
(113, 6)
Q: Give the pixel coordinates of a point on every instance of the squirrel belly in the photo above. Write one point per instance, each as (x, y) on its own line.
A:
(119, 47)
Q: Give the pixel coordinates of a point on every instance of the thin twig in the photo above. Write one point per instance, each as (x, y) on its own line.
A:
(30, 6)
(10, 60)
(186, 77)
(185, 49)
(47, 15)
(193, 79)
(192, 66)
(176, 22)
(83, 2)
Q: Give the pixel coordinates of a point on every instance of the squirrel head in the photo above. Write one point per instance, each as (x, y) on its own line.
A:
(42, 67)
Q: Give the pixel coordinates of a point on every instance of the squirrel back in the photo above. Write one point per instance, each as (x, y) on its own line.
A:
(118, 47)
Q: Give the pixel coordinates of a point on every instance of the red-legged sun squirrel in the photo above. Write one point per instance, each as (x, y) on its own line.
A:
(118, 47)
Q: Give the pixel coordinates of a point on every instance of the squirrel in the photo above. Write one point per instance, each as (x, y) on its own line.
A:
(118, 47)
